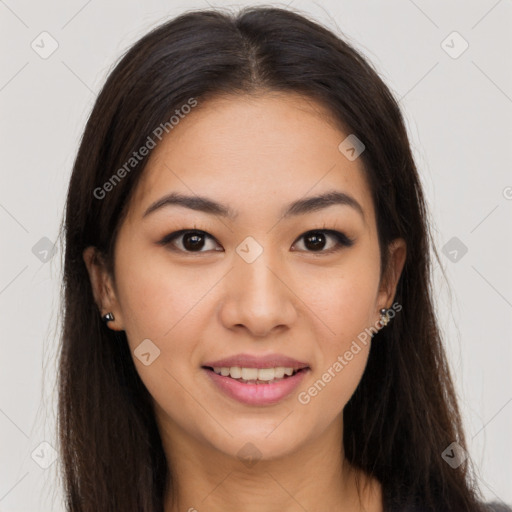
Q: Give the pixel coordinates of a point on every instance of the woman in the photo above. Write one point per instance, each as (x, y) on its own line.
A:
(248, 310)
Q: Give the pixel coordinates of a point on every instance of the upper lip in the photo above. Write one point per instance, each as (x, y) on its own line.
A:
(250, 361)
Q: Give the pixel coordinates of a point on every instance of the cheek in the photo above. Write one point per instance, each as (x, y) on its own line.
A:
(335, 379)
(157, 298)
(346, 300)
(161, 304)
(346, 304)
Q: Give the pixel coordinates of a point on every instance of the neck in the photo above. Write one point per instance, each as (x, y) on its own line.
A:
(316, 477)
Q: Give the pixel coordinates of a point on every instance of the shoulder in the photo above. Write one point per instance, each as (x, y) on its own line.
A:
(496, 507)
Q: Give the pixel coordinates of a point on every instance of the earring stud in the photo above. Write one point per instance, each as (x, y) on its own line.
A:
(109, 317)
(384, 318)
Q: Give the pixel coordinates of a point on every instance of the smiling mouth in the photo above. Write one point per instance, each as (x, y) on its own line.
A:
(261, 376)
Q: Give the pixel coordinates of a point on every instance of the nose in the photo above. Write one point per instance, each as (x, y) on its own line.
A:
(257, 298)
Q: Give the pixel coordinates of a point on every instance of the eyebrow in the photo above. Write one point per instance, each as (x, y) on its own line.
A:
(299, 207)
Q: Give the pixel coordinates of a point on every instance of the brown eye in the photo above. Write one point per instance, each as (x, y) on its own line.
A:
(193, 241)
(188, 241)
(317, 240)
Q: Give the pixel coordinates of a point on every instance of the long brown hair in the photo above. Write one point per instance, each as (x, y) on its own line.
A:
(404, 412)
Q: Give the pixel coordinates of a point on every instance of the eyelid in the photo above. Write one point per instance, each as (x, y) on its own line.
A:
(341, 238)
(168, 239)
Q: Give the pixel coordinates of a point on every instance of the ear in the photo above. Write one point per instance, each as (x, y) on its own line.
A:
(102, 287)
(397, 254)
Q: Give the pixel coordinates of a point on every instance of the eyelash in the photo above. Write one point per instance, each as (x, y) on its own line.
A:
(341, 239)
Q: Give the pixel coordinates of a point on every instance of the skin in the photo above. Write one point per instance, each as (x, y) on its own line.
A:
(254, 154)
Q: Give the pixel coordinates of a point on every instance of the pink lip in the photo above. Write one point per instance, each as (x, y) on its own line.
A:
(249, 361)
(256, 394)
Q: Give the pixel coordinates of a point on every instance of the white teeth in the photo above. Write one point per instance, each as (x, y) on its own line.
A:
(235, 372)
(249, 373)
(253, 374)
(266, 374)
(279, 372)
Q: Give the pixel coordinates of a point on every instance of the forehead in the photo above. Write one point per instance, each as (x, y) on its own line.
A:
(251, 153)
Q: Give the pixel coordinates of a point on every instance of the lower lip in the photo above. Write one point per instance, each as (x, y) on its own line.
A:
(257, 394)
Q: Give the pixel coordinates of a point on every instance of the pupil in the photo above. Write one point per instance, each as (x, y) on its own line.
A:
(196, 239)
(318, 241)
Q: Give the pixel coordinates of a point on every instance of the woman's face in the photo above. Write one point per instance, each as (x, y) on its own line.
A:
(253, 282)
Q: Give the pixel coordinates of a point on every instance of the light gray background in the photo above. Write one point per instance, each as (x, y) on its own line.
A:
(458, 113)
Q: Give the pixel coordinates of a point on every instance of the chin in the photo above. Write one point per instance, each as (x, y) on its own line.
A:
(263, 441)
